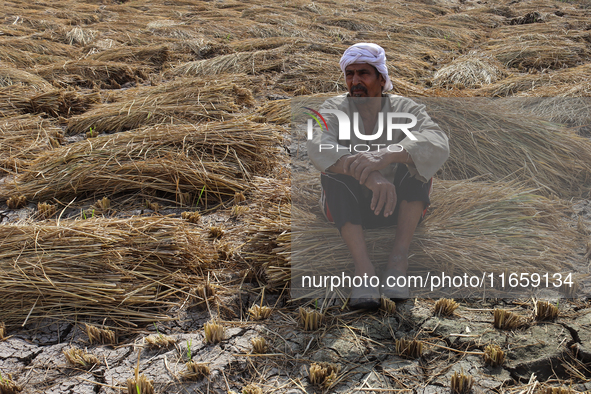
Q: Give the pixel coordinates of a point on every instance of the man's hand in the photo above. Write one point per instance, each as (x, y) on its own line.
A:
(360, 165)
(384, 194)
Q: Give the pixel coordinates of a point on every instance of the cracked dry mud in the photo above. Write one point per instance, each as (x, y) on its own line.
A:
(362, 343)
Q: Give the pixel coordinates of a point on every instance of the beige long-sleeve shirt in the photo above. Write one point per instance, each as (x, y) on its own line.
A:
(428, 152)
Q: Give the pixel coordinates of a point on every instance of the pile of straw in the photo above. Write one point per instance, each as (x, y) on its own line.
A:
(469, 71)
(59, 102)
(472, 227)
(23, 138)
(242, 62)
(184, 100)
(537, 51)
(14, 100)
(127, 271)
(155, 55)
(92, 74)
(553, 82)
(29, 51)
(489, 140)
(12, 76)
(210, 161)
(311, 74)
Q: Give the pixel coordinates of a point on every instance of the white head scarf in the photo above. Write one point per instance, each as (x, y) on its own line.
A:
(365, 52)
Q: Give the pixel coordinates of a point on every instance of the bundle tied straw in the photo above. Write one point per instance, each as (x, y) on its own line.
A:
(487, 139)
(216, 159)
(127, 271)
(23, 138)
(471, 227)
(182, 101)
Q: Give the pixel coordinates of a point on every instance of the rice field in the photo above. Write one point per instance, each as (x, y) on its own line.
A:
(156, 204)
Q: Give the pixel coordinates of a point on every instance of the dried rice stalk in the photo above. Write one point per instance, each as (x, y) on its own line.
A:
(472, 227)
(242, 62)
(259, 345)
(63, 102)
(159, 340)
(409, 348)
(213, 331)
(310, 319)
(23, 138)
(213, 160)
(445, 307)
(196, 371)
(12, 76)
(155, 55)
(80, 359)
(506, 320)
(140, 385)
(387, 305)
(180, 101)
(8, 386)
(543, 310)
(45, 210)
(91, 74)
(252, 389)
(550, 82)
(116, 272)
(323, 374)
(469, 71)
(100, 336)
(16, 202)
(461, 383)
(494, 355)
(259, 312)
(543, 155)
(191, 217)
(2, 331)
(537, 51)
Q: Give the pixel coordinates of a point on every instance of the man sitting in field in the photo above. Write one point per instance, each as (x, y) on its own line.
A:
(370, 180)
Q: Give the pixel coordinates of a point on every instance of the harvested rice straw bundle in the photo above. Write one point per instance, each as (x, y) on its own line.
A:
(128, 271)
(469, 71)
(12, 76)
(63, 102)
(525, 83)
(23, 138)
(314, 74)
(155, 55)
(275, 111)
(14, 99)
(570, 111)
(242, 62)
(471, 227)
(182, 100)
(537, 51)
(487, 139)
(213, 160)
(91, 74)
(269, 225)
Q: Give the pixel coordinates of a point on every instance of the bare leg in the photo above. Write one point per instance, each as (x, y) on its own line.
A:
(409, 214)
(353, 236)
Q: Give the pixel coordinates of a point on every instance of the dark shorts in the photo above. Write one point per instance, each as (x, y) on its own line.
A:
(345, 200)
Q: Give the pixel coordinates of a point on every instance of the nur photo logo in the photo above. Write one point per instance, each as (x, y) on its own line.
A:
(392, 120)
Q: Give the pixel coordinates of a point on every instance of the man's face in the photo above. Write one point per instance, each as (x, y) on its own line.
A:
(363, 80)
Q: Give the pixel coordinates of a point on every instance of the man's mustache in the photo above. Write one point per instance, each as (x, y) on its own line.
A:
(358, 87)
